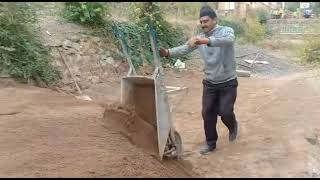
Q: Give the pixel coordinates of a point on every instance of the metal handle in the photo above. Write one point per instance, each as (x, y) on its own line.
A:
(132, 70)
(153, 41)
(119, 35)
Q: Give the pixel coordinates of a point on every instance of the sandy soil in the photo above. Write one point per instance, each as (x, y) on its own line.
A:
(49, 134)
(44, 133)
(278, 128)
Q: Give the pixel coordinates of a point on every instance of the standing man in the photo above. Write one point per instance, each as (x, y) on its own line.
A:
(216, 46)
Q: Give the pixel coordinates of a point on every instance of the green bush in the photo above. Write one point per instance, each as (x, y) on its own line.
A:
(130, 34)
(136, 33)
(87, 13)
(254, 31)
(311, 50)
(261, 14)
(292, 6)
(21, 54)
(235, 25)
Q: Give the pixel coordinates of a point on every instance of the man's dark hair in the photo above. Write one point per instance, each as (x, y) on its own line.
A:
(207, 11)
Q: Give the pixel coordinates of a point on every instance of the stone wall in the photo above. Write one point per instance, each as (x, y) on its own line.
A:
(91, 61)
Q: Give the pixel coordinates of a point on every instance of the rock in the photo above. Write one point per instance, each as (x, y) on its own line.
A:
(57, 62)
(76, 46)
(106, 74)
(86, 58)
(107, 53)
(76, 71)
(83, 40)
(95, 58)
(77, 60)
(84, 36)
(94, 79)
(96, 39)
(103, 63)
(75, 38)
(66, 81)
(53, 43)
(68, 89)
(111, 61)
(67, 44)
(81, 53)
(70, 51)
(101, 51)
(103, 57)
(91, 51)
(84, 85)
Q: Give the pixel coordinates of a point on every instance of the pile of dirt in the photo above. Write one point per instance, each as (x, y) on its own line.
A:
(126, 121)
(71, 138)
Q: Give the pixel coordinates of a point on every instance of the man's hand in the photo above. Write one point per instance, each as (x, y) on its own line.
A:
(164, 52)
(202, 41)
(194, 41)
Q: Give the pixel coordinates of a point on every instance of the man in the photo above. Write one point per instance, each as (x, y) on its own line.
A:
(216, 46)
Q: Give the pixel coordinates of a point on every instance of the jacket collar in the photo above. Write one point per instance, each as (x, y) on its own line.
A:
(212, 30)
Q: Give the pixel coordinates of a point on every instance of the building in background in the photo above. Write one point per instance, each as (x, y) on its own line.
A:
(241, 9)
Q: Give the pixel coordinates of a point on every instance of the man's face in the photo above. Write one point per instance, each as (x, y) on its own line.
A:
(207, 23)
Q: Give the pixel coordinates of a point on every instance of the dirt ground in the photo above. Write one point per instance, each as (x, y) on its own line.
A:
(45, 133)
(278, 129)
(49, 134)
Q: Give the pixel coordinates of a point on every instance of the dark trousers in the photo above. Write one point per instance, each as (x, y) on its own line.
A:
(218, 99)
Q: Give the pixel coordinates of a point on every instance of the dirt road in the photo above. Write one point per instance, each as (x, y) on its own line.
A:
(44, 133)
(279, 128)
(47, 134)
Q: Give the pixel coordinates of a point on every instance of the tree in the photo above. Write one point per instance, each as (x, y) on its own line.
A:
(292, 6)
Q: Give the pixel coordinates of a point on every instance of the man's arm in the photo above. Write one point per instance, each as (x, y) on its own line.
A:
(226, 38)
(180, 50)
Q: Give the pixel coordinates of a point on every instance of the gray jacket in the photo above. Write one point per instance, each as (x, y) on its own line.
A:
(218, 55)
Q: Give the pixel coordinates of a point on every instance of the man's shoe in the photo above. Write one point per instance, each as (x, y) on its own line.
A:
(234, 133)
(207, 150)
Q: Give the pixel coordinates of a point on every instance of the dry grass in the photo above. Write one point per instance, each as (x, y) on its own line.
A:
(275, 43)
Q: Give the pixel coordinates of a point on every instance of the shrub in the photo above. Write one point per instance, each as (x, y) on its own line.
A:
(235, 25)
(136, 34)
(254, 31)
(87, 13)
(21, 54)
(311, 50)
(261, 14)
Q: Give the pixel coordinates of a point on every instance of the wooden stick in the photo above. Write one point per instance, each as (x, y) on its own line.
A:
(74, 80)
(246, 55)
(241, 73)
(254, 60)
(243, 65)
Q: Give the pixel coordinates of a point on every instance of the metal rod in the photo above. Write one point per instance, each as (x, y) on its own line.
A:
(153, 46)
(132, 69)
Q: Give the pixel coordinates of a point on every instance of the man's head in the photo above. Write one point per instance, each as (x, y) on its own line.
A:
(208, 18)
